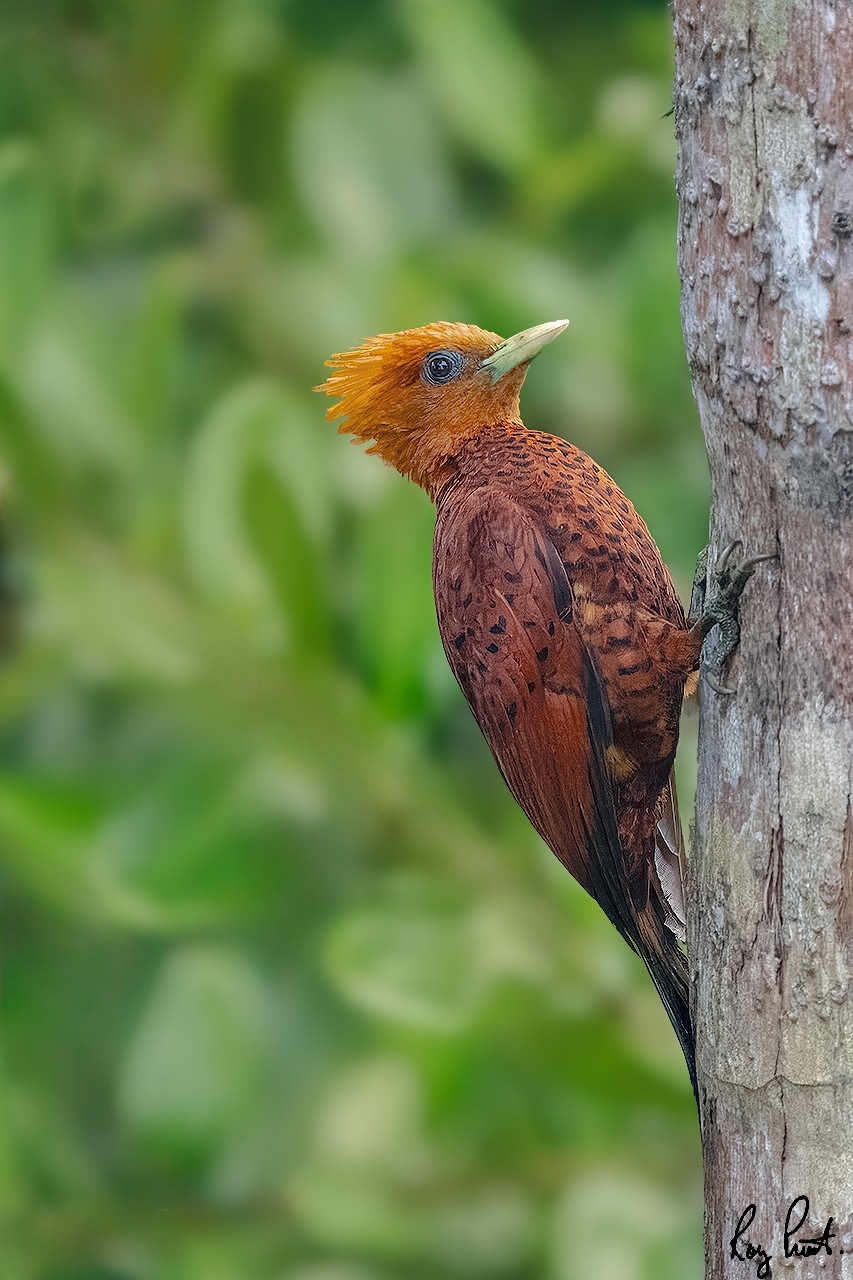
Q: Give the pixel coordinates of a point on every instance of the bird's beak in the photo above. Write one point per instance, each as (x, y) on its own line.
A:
(522, 347)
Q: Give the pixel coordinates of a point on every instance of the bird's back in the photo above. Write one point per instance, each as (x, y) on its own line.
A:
(562, 625)
(626, 608)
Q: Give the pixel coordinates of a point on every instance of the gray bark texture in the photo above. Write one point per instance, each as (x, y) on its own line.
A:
(764, 117)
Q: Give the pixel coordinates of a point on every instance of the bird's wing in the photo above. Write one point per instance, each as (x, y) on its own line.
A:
(504, 607)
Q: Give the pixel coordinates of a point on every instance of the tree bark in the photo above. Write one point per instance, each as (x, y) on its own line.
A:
(764, 116)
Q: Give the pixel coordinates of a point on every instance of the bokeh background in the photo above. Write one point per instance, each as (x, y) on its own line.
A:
(290, 989)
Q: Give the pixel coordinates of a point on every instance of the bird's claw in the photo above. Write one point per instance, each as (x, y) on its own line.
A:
(722, 611)
(714, 681)
(744, 570)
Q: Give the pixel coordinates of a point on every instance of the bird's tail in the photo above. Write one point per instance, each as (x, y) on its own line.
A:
(667, 964)
(647, 913)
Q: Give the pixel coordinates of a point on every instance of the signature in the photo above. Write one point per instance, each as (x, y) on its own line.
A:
(796, 1246)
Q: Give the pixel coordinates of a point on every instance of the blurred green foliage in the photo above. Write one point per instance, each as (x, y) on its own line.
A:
(290, 990)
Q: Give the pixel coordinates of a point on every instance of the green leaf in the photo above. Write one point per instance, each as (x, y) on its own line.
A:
(295, 571)
(411, 958)
(368, 162)
(482, 78)
(153, 353)
(197, 1067)
(184, 852)
(26, 242)
(395, 627)
(45, 832)
(255, 518)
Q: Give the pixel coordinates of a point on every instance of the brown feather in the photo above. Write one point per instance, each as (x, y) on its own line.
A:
(506, 618)
(559, 620)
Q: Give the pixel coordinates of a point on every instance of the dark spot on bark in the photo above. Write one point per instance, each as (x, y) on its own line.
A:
(542, 654)
(500, 626)
(550, 628)
(511, 710)
(529, 622)
(509, 597)
(630, 671)
(460, 640)
(842, 223)
(531, 685)
(467, 600)
(491, 648)
(513, 577)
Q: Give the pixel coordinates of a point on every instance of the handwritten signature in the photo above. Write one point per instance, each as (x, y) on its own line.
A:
(745, 1250)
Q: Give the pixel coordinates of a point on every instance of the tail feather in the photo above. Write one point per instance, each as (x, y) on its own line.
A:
(669, 861)
(667, 965)
(648, 916)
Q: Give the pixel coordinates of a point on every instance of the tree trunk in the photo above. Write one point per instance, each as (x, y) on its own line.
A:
(764, 113)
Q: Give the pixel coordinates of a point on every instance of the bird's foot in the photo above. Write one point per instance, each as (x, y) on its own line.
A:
(721, 609)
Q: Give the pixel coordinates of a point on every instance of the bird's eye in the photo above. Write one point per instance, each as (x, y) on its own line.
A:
(442, 366)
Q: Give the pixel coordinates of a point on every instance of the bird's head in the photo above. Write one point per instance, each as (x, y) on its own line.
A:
(420, 394)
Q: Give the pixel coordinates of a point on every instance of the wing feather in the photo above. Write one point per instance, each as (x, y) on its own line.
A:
(505, 614)
(504, 607)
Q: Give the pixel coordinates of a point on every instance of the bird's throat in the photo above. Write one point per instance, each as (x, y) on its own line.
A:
(426, 457)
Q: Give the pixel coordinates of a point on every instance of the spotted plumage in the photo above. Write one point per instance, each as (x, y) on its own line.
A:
(557, 616)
